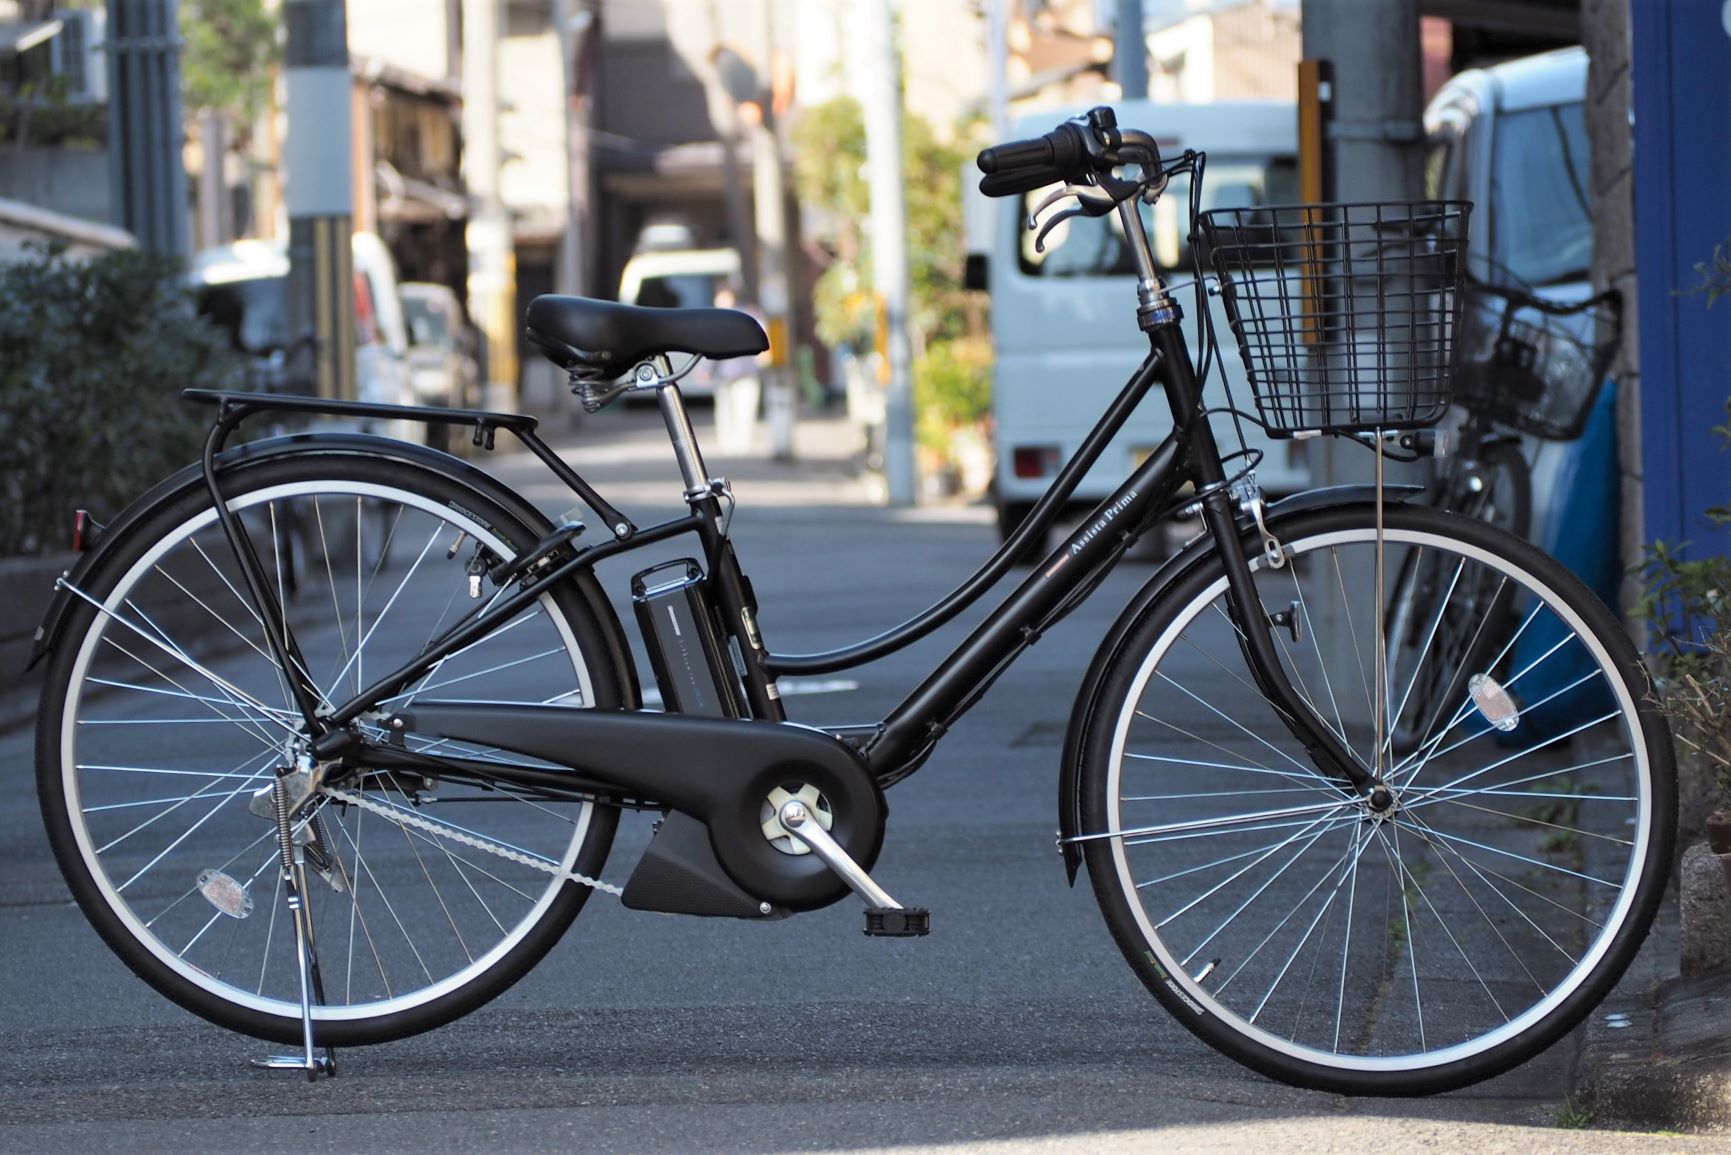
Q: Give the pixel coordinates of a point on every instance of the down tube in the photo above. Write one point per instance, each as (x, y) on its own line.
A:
(1015, 624)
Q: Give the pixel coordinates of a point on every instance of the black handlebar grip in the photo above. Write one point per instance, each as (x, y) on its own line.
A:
(1020, 180)
(1015, 154)
(1059, 149)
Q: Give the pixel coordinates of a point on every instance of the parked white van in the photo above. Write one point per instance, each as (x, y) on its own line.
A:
(681, 279)
(1064, 320)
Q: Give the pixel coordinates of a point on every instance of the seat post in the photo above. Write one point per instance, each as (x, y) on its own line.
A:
(679, 430)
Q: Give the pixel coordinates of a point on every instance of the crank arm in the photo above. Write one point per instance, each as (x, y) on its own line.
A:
(884, 915)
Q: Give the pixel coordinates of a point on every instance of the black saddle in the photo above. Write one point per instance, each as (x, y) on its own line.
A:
(607, 339)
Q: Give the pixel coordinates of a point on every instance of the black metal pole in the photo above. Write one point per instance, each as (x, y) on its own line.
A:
(147, 178)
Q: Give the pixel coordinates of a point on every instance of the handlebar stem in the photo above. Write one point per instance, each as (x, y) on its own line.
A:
(1154, 307)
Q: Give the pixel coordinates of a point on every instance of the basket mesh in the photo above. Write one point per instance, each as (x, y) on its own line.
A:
(1347, 315)
(1532, 370)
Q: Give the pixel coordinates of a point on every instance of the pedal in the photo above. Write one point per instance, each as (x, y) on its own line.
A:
(897, 922)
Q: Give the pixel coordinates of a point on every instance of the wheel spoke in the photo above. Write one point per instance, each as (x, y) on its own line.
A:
(1310, 778)
(361, 646)
(1256, 820)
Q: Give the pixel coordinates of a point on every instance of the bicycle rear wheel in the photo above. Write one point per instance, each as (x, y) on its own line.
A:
(164, 713)
(1430, 946)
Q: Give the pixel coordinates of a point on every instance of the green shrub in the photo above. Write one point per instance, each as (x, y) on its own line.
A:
(952, 389)
(1688, 603)
(93, 355)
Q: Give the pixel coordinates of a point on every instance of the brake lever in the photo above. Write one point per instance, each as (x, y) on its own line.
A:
(1055, 220)
(1095, 202)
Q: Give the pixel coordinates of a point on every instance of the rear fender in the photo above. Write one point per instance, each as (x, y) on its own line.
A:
(90, 563)
(1176, 567)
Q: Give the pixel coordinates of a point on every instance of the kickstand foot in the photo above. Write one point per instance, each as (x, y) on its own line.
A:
(325, 1064)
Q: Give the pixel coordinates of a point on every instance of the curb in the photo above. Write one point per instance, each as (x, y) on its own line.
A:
(1657, 1053)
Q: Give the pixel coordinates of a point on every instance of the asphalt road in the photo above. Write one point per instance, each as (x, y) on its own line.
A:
(1014, 1026)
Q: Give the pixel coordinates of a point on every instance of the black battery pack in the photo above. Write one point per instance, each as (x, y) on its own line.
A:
(685, 647)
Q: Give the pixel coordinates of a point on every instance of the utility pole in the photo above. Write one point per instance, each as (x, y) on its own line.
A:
(1373, 125)
(770, 210)
(997, 66)
(575, 19)
(492, 261)
(320, 195)
(1378, 93)
(146, 174)
(730, 83)
(1130, 51)
(890, 246)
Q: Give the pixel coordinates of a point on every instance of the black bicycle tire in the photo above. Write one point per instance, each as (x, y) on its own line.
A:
(476, 494)
(1132, 644)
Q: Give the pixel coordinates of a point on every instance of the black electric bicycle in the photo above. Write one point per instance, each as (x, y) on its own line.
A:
(386, 798)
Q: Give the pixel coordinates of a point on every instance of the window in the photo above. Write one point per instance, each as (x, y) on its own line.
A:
(1541, 195)
(679, 291)
(251, 312)
(1095, 246)
(428, 321)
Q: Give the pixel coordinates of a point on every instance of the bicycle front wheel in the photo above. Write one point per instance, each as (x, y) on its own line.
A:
(164, 715)
(1407, 951)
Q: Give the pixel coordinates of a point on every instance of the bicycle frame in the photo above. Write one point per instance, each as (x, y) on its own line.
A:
(899, 743)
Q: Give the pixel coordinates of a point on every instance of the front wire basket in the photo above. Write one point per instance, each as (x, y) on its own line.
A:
(1534, 366)
(1347, 315)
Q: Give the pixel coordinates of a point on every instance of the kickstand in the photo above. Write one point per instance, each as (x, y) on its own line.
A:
(312, 987)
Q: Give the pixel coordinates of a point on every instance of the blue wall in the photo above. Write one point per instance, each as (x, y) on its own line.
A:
(1682, 102)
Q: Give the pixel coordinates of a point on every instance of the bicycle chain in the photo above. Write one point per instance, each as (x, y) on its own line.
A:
(407, 818)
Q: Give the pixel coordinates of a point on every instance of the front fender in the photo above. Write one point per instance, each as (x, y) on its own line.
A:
(1181, 563)
(90, 562)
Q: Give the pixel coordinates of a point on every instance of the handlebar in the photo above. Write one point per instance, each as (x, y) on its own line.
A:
(1519, 298)
(1082, 150)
